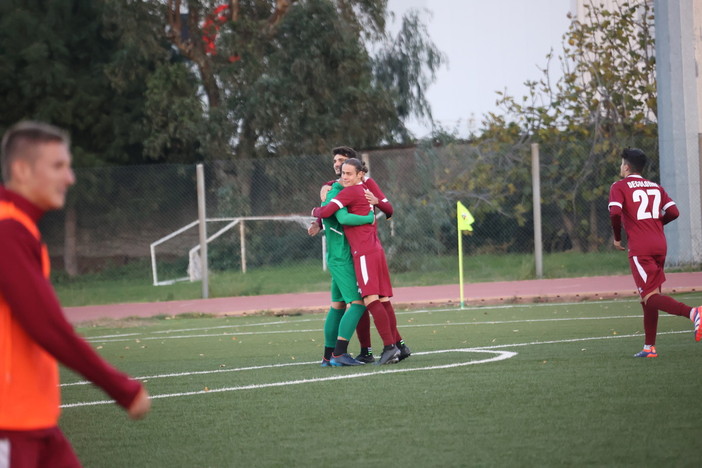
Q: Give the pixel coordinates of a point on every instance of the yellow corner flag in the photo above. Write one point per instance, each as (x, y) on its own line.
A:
(465, 219)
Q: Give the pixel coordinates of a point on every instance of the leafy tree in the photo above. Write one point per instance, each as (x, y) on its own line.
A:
(53, 58)
(52, 69)
(604, 101)
(291, 77)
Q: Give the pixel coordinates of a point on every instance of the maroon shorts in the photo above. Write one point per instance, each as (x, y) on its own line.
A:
(372, 274)
(648, 273)
(36, 448)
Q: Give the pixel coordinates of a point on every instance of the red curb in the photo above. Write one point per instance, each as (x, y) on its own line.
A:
(498, 292)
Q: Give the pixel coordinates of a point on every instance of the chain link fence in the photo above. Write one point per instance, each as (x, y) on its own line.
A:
(114, 214)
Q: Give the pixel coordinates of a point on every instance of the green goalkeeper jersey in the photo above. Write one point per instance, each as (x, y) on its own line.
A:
(338, 249)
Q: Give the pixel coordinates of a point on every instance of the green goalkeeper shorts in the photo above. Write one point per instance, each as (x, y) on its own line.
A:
(343, 284)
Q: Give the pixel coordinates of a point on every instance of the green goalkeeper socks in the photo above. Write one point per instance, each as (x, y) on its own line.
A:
(348, 323)
(331, 326)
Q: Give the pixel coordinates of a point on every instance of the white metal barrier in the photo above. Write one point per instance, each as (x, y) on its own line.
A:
(194, 261)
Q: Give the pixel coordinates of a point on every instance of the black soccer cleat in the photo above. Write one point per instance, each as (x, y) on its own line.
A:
(391, 355)
(365, 358)
(404, 352)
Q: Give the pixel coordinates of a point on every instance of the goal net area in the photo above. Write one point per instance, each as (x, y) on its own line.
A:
(236, 243)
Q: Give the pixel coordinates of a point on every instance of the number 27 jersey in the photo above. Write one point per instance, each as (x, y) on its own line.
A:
(642, 204)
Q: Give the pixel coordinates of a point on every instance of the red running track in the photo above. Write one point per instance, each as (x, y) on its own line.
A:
(499, 292)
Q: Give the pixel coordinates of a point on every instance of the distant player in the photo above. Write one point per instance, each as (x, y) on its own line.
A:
(642, 207)
(340, 262)
(371, 268)
(340, 322)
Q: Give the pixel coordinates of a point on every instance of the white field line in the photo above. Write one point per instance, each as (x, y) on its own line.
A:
(575, 340)
(499, 356)
(406, 312)
(271, 366)
(276, 332)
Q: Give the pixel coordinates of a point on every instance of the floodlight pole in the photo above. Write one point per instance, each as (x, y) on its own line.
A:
(202, 219)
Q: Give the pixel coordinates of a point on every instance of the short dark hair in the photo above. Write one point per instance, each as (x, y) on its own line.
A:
(345, 151)
(635, 158)
(21, 136)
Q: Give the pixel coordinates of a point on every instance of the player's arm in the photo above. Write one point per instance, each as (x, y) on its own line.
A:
(316, 226)
(349, 219)
(327, 210)
(615, 217)
(670, 213)
(336, 199)
(34, 305)
(382, 202)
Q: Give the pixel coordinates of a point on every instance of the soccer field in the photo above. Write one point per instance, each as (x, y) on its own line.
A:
(512, 385)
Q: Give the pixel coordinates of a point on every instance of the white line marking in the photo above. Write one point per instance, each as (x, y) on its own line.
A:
(216, 371)
(270, 366)
(484, 349)
(575, 340)
(500, 355)
(405, 312)
(277, 332)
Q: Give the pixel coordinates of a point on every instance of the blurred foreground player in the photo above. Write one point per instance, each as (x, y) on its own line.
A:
(34, 333)
(642, 207)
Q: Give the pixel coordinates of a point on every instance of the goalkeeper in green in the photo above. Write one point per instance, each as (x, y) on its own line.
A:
(340, 323)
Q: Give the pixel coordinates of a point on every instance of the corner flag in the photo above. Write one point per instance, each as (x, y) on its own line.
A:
(465, 219)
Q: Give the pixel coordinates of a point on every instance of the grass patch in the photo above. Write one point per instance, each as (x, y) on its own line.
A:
(248, 391)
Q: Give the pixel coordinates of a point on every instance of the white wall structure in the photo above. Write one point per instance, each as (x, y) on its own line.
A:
(678, 51)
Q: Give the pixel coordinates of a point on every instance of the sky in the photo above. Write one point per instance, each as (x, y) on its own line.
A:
(490, 45)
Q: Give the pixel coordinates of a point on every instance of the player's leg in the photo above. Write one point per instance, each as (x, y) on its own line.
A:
(341, 356)
(653, 270)
(650, 320)
(405, 351)
(58, 452)
(385, 290)
(345, 279)
(331, 330)
(367, 267)
(331, 322)
(45, 447)
(647, 277)
(671, 306)
(390, 353)
(364, 338)
(350, 319)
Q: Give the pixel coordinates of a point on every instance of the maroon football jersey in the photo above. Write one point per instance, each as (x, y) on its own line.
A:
(642, 204)
(383, 204)
(363, 238)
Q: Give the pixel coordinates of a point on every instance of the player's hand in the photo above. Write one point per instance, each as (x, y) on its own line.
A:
(618, 245)
(314, 229)
(140, 406)
(323, 192)
(372, 199)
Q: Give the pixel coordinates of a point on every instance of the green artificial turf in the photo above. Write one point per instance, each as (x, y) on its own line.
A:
(249, 391)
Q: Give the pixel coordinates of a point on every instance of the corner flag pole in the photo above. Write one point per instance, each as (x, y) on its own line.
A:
(460, 265)
(464, 221)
